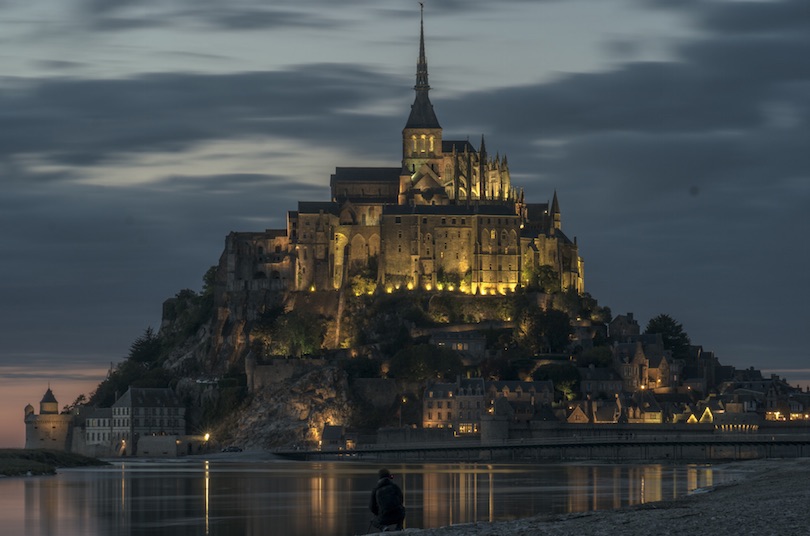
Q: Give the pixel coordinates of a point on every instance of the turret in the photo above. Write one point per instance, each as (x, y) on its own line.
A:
(48, 405)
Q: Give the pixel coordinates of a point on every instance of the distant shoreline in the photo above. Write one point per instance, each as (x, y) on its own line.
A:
(38, 462)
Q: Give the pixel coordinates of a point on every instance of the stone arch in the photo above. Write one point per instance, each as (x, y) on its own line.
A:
(348, 216)
(341, 241)
(374, 245)
(485, 237)
(358, 252)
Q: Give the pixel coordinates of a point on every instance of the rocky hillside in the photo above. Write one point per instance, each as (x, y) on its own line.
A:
(293, 412)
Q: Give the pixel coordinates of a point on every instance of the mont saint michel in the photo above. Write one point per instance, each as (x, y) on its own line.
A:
(428, 302)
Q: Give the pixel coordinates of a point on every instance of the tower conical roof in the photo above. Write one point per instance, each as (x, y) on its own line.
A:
(48, 397)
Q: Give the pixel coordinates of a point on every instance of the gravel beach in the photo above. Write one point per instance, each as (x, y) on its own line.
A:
(770, 497)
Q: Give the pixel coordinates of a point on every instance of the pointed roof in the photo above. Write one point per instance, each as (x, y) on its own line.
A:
(422, 114)
(48, 397)
(555, 205)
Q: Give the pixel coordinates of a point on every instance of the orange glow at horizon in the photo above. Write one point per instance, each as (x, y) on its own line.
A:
(19, 387)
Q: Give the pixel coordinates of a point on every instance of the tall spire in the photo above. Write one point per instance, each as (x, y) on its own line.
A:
(422, 114)
(421, 63)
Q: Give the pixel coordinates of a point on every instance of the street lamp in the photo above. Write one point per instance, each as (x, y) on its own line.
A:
(402, 401)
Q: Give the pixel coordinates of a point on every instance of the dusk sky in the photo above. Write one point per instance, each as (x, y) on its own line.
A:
(136, 134)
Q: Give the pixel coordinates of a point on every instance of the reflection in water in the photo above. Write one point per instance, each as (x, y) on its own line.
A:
(297, 498)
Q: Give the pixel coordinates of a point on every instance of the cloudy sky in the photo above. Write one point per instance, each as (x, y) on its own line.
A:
(135, 134)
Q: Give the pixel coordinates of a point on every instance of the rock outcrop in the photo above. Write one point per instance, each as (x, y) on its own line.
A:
(293, 412)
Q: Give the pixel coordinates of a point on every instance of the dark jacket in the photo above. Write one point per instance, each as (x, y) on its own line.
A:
(386, 502)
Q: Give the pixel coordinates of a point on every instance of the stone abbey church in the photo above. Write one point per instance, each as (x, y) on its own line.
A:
(447, 216)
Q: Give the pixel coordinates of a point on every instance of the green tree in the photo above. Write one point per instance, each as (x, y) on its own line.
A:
(210, 280)
(425, 361)
(543, 278)
(672, 333)
(564, 376)
(81, 400)
(540, 331)
(146, 348)
(296, 334)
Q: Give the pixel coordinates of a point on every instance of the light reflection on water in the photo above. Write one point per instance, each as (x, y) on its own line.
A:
(325, 498)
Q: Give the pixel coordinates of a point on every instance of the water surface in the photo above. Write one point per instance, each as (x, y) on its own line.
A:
(251, 498)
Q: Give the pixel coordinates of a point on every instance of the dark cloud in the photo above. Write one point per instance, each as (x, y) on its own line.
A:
(80, 122)
(107, 15)
(749, 17)
(59, 65)
(106, 258)
(684, 181)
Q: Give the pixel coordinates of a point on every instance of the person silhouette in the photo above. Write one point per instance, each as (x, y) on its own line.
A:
(387, 503)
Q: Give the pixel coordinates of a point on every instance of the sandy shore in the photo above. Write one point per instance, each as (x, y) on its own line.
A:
(770, 497)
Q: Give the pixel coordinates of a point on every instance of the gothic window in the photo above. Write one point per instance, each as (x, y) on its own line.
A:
(431, 144)
(492, 234)
(413, 138)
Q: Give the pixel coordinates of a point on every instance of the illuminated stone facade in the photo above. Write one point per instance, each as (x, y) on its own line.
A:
(446, 216)
(49, 429)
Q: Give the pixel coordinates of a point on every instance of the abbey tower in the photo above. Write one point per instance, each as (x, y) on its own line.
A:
(446, 218)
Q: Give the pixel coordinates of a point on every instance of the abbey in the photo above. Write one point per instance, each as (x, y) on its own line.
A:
(448, 217)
